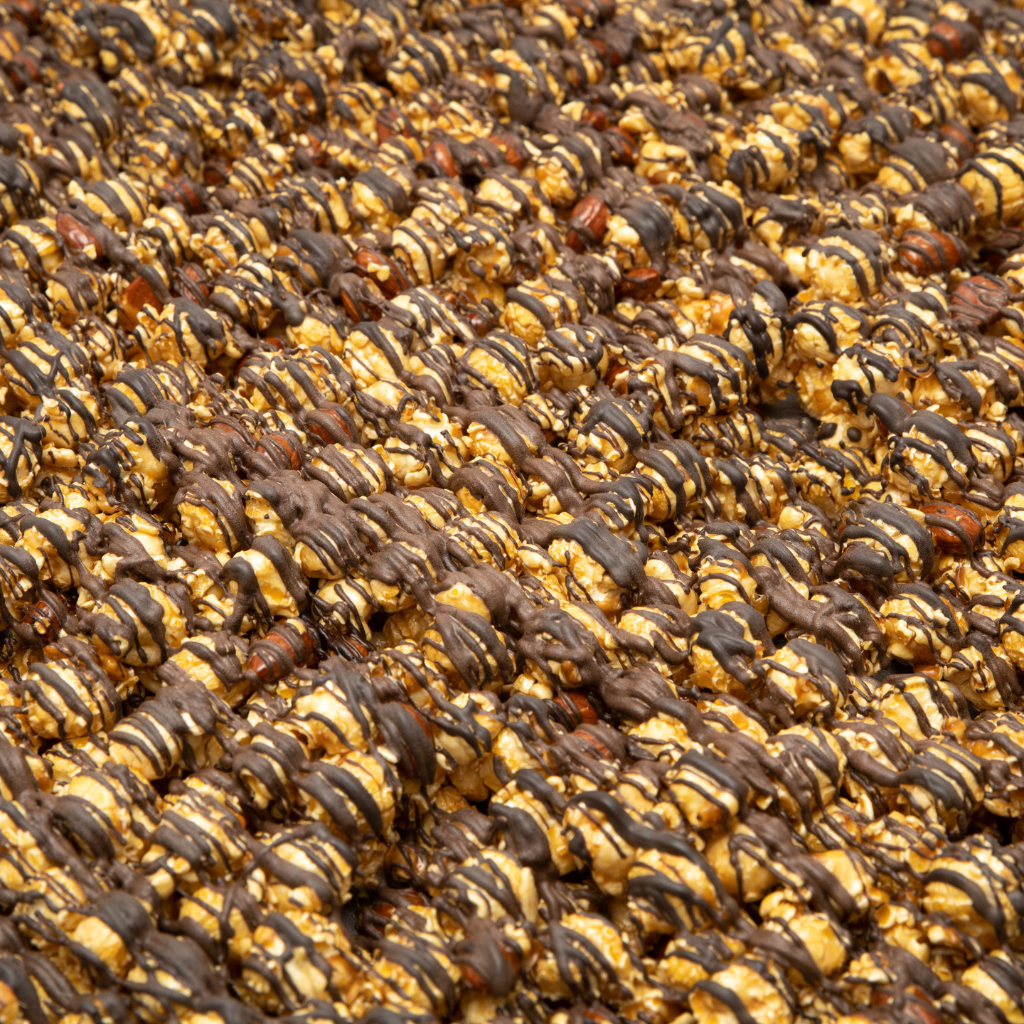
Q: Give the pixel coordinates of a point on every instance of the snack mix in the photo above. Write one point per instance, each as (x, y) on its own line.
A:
(511, 512)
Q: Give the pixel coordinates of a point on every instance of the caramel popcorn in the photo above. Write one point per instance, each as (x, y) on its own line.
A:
(511, 512)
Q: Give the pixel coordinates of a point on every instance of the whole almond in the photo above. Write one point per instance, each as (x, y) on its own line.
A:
(939, 513)
(622, 146)
(138, 294)
(382, 271)
(951, 40)
(76, 235)
(442, 156)
(928, 252)
(640, 284)
(511, 149)
(588, 222)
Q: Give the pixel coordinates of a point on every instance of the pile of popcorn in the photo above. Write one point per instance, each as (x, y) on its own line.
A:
(511, 513)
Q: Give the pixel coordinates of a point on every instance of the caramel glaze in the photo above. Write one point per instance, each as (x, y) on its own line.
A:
(512, 512)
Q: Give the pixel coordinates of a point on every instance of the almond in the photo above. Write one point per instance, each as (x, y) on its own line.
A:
(511, 149)
(951, 40)
(384, 272)
(622, 146)
(952, 525)
(928, 252)
(639, 284)
(588, 222)
(576, 704)
(138, 294)
(441, 155)
(76, 235)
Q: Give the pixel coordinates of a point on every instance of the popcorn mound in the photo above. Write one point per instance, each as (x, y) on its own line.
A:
(511, 513)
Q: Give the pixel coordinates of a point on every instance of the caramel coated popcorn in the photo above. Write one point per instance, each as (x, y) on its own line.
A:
(510, 512)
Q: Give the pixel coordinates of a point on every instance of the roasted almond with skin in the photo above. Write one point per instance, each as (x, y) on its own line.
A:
(480, 318)
(391, 121)
(953, 528)
(254, 353)
(962, 138)
(216, 172)
(188, 194)
(280, 450)
(586, 738)
(928, 252)
(410, 738)
(350, 647)
(577, 706)
(329, 425)
(979, 299)
(441, 155)
(384, 272)
(46, 618)
(487, 963)
(22, 70)
(621, 145)
(639, 284)
(511, 149)
(916, 1011)
(356, 310)
(138, 294)
(384, 130)
(284, 648)
(24, 11)
(588, 222)
(951, 40)
(192, 282)
(76, 235)
(404, 862)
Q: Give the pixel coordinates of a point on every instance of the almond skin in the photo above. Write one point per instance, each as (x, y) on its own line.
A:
(951, 40)
(979, 299)
(964, 524)
(640, 284)
(441, 155)
(588, 222)
(138, 294)
(76, 235)
(928, 252)
(576, 704)
(382, 271)
(511, 149)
